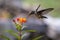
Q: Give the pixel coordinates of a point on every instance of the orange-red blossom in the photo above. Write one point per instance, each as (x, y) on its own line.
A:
(21, 20)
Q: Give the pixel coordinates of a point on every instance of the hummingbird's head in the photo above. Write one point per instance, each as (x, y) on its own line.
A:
(32, 12)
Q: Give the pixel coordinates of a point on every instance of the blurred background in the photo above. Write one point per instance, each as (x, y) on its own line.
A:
(11, 9)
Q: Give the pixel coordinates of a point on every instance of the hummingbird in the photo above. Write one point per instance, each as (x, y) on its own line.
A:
(39, 14)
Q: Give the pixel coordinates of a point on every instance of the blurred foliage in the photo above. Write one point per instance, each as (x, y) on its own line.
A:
(16, 34)
(30, 30)
(39, 37)
(18, 27)
(4, 37)
(11, 32)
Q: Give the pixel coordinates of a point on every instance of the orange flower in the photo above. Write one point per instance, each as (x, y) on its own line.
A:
(21, 20)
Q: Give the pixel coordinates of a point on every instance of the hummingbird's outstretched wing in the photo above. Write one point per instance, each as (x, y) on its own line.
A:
(45, 11)
(33, 12)
(37, 8)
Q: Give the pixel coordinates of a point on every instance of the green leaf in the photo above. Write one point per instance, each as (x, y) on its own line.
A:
(18, 27)
(12, 33)
(30, 30)
(37, 37)
(5, 37)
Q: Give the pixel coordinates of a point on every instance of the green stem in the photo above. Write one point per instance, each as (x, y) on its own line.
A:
(21, 31)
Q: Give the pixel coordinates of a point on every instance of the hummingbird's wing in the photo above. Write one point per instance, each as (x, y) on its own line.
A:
(37, 8)
(33, 12)
(45, 11)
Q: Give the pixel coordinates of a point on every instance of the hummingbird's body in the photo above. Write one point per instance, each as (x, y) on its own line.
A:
(39, 14)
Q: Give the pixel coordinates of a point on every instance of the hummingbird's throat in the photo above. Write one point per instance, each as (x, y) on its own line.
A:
(38, 16)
